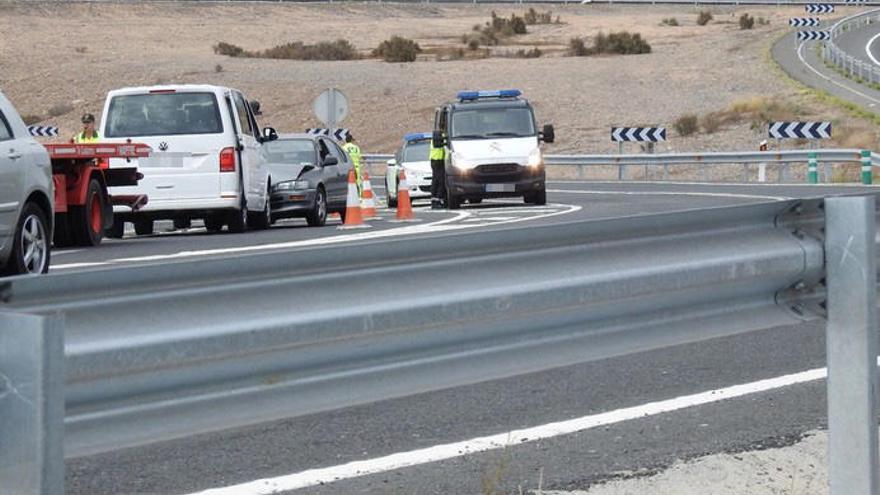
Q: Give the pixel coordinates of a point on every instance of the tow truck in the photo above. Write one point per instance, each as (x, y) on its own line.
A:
(81, 176)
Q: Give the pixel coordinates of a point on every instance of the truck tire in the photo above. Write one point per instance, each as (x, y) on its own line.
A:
(116, 231)
(86, 222)
(31, 251)
(143, 227)
(62, 237)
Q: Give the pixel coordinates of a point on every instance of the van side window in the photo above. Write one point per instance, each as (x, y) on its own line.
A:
(244, 122)
(5, 130)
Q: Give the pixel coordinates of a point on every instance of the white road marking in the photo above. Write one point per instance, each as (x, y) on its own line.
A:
(670, 193)
(66, 251)
(868, 49)
(832, 81)
(321, 476)
(718, 184)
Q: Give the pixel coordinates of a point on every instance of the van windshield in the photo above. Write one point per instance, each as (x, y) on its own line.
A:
(416, 151)
(292, 151)
(489, 123)
(163, 114)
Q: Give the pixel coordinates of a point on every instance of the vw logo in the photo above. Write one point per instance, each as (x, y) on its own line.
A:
(163, 146)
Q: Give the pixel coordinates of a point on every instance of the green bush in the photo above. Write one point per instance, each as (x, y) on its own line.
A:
(669, 21)
(686, 125)
(622, 43)
(746, 21)
(704, 17)
(397, 49)
(228, 49)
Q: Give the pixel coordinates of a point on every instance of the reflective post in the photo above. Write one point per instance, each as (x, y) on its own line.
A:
(31, 405)
(866, 167)
(812, 168)
(851, 274)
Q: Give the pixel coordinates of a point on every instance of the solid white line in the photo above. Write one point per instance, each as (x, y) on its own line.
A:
(315, 477)
(832, 81)
(868, 49)
(670, 193)
(718, 184)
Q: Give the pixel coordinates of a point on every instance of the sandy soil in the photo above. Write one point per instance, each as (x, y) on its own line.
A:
(55, 55)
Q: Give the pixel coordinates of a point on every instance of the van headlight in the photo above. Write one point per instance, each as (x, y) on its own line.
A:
(460, 162)
(536, 159)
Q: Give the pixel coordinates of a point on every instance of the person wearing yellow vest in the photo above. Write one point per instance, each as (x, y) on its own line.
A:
(354, 151)
(438, 176)
(88, 134)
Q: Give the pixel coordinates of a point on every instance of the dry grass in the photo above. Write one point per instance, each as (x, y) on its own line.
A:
(704, 17)
(60, 109)
(398, 49)
(686, 125)
(297, 50)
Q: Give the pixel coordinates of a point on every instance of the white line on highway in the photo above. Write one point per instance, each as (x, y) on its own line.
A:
(714, 184)
(868, 49)
(321, 476)
(669, 193)
(832, 81)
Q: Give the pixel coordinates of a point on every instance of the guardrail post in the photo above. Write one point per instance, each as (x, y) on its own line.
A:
(31, 405)
(867, 171)
(812, 168)
(851, 275)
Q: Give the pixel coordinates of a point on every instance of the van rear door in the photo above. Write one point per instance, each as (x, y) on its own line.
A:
(185, 129)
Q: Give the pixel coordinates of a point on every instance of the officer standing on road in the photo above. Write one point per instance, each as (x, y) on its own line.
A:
(438, 177)
(354, 151)
(88, 134)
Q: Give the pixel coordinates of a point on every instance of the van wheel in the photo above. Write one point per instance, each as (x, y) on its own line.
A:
(453, 202)
(261, 220)
(30, 245)
(392, 201)
(237, 221)
(537, 197)
(87, 221)
(117, 230)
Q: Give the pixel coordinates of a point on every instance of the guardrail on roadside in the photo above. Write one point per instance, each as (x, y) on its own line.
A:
(854, 67)
(131, 355)
(819, 159)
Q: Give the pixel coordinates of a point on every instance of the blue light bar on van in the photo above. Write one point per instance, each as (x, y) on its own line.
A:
(499, 93)
(416, 136)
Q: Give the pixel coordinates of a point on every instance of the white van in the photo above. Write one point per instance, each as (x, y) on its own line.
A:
(208, 161)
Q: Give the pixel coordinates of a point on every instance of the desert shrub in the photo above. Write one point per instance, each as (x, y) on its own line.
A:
(746, 21)
(60, 109)
(622, 43)
(397, 49)
(704, 17)
(218, 68)
(30, 119)
(534, 17)
(297, 50)
(228, 49)
(686, 125)
(533, 53)
(669, 21)
(577, 47)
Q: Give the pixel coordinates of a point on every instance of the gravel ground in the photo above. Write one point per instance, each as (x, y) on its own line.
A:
(71, 55)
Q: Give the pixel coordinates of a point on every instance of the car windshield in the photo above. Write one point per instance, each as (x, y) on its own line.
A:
(292, 151)
(163, 114)
(416, 151)
(485, 123)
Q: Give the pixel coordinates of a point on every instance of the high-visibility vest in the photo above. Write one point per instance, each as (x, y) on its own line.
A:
(354, 152)
(437, 153)
(80, 138)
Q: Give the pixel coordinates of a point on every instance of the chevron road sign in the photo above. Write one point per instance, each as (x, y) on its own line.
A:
(800, 130)
(338, 134)
(803, 21)
(643, 134)
(42, 130)
(819, 8)
(813, 35)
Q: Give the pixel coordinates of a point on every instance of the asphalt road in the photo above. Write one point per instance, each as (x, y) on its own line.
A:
(574, 461)
(856, 43)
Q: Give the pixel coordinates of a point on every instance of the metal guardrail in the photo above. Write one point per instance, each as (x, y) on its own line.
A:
(854, 67)
(128, 356)
(824, 159)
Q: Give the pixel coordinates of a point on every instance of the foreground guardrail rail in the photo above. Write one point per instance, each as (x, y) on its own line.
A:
(127, 356)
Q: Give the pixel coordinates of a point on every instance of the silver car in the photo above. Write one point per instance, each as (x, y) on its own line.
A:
(26, 197)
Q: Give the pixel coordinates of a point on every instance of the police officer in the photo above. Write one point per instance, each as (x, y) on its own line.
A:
(354, 151)
(438, 177)
(88, 134)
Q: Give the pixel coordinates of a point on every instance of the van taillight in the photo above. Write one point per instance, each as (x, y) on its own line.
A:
(227, 160)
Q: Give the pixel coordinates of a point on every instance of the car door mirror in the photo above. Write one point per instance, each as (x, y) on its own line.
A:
(437, 139)
(269, 134)
(330, 160)
(548, 134)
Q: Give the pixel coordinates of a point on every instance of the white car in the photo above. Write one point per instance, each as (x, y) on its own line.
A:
(208, 160)
(412, 157)
(27, 197)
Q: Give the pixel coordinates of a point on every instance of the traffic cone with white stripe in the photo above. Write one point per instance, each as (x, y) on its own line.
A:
(368, 204)
(404, 206)
(353, 216)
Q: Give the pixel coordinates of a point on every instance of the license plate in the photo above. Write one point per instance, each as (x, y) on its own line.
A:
(500, 187)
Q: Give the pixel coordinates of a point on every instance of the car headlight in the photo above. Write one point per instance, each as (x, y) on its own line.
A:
(460, 162)
(291, 185)
(536, 159)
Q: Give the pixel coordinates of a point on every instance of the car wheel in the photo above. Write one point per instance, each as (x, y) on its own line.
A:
(117, 230)
(392, 200)
(87, 221)
(30, 248)
(453, 201)
(143, 227)
(475, 201)
(317, 217)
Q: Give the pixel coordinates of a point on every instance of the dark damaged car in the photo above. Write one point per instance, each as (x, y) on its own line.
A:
(309, 177)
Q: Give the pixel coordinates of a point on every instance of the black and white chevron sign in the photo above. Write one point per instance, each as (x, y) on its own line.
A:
(643, 134)
(813, 35)
(338, 134)
(42, 130)
(800, 130)
(819, 8)
(804, 21)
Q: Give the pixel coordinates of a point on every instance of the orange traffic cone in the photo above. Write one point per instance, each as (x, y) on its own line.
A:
(368, 205)
(404, 207)
(353, 217)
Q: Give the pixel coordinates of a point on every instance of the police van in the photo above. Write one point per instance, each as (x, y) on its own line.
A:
(493, 147)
